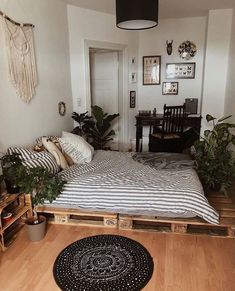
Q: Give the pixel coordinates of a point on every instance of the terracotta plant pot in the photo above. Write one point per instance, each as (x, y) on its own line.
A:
(6, 217)
(37, 231)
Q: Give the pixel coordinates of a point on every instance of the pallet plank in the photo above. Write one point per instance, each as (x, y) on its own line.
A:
(77, 217)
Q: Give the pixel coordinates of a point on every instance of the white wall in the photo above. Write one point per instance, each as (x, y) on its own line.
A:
(21, 123)
(216, 63)
(230, 93)
(90, 25)
(153, 42)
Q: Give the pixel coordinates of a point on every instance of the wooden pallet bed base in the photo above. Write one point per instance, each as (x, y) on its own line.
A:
(69, 216)
(182, 226)
(223, 204)
(225, 228)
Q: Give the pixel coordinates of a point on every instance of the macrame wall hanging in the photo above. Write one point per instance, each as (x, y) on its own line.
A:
(21, 57)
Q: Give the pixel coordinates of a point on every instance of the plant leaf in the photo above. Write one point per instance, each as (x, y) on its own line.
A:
(209, 118)
(224, 118)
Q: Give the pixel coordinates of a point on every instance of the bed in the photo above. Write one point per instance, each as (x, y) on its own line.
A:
(114, 182)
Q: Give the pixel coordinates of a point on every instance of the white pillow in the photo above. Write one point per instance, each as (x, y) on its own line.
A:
(76, 137)
(72, 151)
(76, 147)
(53, 149)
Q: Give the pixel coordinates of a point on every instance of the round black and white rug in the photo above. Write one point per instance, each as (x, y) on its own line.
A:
(103, 263)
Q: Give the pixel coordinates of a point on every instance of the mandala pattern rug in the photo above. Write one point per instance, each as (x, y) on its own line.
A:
(103, 263)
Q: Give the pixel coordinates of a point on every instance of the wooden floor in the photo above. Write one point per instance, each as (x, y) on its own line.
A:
(181, 262)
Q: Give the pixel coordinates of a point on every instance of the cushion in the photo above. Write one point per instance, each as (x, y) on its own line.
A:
(69, 160)
(34, 159)
(54, 150)
(77, 139)
(77, 148)
(38, 141)
(166, 135)
(72, 151)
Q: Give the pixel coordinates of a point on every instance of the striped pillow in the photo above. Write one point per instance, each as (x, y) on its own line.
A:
(32, 159)
(73, 152)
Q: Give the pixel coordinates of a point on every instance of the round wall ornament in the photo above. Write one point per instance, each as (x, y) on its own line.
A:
(62, 108)
(187, 50)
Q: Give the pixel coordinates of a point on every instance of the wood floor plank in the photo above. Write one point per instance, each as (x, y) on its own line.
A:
(181, 263)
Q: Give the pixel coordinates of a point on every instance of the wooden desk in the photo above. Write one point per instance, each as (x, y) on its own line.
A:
(193, 121)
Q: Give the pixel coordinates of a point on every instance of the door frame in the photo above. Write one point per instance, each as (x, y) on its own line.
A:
(122, 84)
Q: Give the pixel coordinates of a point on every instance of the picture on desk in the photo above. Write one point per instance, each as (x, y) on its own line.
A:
(170, 88)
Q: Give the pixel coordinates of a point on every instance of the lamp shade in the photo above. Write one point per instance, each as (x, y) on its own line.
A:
(136, 14)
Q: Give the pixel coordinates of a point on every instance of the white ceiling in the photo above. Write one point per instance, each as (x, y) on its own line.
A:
(167, 9)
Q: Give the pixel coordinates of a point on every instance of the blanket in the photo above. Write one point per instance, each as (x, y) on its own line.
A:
(168, 161)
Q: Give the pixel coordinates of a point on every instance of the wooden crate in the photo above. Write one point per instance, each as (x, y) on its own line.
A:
(69, 216)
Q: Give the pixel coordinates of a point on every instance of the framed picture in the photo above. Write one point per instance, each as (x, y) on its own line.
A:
(151, 70)
(170, 88)
(132, 99)
(180, 70)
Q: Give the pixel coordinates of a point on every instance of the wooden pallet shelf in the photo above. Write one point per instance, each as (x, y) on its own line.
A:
(18, 205)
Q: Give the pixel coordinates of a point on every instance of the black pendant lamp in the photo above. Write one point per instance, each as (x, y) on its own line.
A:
(136, 14)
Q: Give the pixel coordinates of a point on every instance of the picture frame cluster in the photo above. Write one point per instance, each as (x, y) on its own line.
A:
(173, 71)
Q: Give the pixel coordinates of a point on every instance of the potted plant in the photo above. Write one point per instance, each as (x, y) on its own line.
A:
(12, 169)
(213, 155)
(43, 186)
(84, 122)
(95, 128)
(1, 180)
(38, 182)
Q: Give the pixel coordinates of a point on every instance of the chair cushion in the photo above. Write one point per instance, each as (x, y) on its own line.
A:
(166, 135)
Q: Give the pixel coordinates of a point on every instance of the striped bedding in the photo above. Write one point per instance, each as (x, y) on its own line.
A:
(114, 182)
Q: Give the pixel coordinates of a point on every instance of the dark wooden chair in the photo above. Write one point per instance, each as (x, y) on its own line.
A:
(168, 136)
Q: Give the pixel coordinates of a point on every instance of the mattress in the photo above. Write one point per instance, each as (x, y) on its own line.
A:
(114, 182)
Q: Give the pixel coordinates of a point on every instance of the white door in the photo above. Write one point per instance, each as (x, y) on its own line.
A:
(104, 86)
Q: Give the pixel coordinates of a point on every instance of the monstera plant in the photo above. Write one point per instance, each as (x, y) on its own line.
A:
(214, 156)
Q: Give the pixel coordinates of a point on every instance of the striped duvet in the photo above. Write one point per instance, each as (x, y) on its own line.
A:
(114, 182)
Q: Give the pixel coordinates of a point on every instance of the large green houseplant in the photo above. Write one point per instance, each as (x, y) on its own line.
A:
(214, 156)
(95, 128)
(84, 122)
(42, 185)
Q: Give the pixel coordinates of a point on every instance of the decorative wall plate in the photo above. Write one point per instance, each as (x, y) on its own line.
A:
(187, 50)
